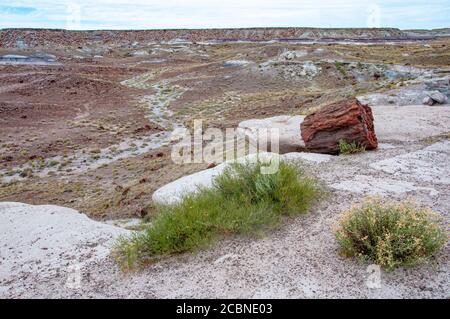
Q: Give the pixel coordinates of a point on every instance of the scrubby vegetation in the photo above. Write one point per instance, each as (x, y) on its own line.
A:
(241, 201)
(346, 148)
(390, 234)
(340, 67)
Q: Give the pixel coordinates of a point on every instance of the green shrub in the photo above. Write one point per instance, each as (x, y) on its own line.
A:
(341, 68)
(241, 201)
(390, 234)
(346, 148)
(52, 163)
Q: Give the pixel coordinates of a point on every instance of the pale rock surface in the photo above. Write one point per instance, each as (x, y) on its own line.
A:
(410, 122)
(231, 63)
(430, 164)
(363, 184)
(47, 240)
(289, 131)
(173, 192)
(310, 157)
(290, 55)
(437, 97)
(428, 101)
(140, 53)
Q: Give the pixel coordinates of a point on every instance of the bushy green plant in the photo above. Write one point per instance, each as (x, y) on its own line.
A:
(346, 148)
(241, 201)
(390, 234)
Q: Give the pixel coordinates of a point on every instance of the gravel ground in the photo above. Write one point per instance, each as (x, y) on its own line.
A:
(300, 260)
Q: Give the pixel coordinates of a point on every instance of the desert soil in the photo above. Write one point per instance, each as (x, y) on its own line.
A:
(300, 260)
(90, 133)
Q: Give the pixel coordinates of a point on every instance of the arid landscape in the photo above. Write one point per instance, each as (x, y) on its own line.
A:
(85, 123)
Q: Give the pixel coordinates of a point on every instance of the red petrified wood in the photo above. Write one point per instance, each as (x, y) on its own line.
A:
(347, 120)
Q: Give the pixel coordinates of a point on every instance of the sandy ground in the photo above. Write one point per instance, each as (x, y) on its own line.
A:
(410, 122)
(89, 133)
(300, 260)
(90, 129)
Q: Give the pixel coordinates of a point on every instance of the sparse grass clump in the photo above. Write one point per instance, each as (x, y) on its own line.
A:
(340, 67)
(346, 148)
(390, 234)
(52, 163)
(241, 201)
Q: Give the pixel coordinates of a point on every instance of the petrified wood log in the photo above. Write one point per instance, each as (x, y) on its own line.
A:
(347, 120)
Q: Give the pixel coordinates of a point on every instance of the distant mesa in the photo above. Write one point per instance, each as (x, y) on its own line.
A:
(29, 38)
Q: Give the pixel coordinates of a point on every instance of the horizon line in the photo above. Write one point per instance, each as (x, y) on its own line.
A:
(232, 28)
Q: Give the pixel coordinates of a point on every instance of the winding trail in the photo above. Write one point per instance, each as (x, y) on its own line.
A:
(157, 112)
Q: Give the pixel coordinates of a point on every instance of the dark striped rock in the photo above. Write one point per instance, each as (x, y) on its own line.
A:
(347, 120)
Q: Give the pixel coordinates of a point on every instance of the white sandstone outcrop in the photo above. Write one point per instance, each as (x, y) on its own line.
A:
(47, 241)
(290, 139)
(430, 164)
(410, 122)
(369, 185)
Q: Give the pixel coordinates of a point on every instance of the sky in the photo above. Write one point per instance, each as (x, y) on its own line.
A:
(172, 14)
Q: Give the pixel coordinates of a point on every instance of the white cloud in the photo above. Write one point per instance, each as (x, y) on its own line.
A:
(140, 14)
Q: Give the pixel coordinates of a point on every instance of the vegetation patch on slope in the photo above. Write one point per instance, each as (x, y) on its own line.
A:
(346, 148)
(390, 234)
(241, 201)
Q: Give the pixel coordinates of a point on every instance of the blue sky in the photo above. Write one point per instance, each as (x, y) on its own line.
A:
(151, 14)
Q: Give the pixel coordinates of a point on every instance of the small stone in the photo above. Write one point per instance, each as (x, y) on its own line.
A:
(428, 101)
(27, 172)
(287, 126)
(437, 97)
(211, 165)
